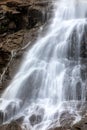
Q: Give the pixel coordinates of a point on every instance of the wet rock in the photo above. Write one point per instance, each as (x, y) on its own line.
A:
(12, 26)
(12, 108)
(17, 17)
(4, 58)
(20, 119)
(14, 45)
(58, 128)
(66, 119)
(35, 16)
(12, 126)
(1, 117)
(12, 3)
(18, 14)
(35, 119)
(80, 125)
(77, 126)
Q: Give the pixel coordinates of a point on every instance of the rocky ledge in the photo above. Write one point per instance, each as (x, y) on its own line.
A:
(14, 125)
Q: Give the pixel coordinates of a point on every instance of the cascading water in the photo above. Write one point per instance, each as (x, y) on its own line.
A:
(50, 78)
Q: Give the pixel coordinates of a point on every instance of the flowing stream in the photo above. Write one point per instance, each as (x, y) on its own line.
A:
(50, 82)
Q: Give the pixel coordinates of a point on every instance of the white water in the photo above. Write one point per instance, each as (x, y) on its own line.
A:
(49, 80)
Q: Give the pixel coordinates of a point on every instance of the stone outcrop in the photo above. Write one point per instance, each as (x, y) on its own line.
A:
(15, 15)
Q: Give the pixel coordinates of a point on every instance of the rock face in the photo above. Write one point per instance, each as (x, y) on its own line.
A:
(15, 15)
(19, 24)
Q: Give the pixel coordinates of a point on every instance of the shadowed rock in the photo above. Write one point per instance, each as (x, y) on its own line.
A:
(35, 119)
(12, 126)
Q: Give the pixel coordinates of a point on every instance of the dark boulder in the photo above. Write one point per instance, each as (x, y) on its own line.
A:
(35, 119)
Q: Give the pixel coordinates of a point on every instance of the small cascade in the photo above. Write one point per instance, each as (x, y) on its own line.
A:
(50, 85)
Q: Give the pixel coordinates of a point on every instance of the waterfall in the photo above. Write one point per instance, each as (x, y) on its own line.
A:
(50, 79)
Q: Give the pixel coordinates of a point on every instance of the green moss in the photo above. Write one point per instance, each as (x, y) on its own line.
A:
(3, 28)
